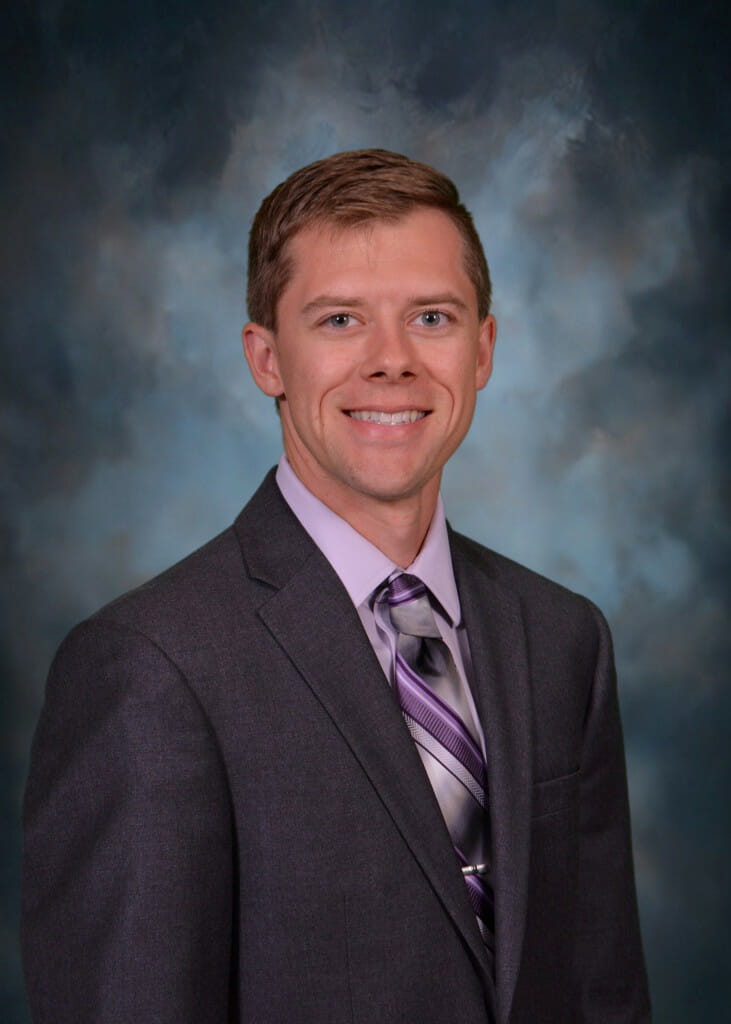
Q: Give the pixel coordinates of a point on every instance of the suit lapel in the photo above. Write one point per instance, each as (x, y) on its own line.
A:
(333, 655)
(493, 619)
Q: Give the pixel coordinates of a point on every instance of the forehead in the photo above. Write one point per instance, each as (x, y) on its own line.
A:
(423, 247)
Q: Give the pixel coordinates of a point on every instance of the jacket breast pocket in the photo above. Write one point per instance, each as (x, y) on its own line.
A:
(556, 796)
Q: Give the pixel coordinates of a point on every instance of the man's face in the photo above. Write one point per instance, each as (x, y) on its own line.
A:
(377, 358)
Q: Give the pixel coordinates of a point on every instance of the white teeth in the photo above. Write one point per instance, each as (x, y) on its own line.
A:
(387, 419)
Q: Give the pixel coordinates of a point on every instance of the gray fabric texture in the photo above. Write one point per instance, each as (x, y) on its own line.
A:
(227, 821)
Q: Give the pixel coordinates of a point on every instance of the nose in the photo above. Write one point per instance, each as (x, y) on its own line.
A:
(391, 354)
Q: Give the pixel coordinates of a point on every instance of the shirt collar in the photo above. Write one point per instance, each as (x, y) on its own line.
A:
(362, 566)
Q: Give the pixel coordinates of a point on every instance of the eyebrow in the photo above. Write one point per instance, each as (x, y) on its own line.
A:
(329, 301)
(442, 299)
(355, 302)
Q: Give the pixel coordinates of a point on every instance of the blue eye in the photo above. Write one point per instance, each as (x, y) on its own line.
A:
(339, 320)
(432, 318)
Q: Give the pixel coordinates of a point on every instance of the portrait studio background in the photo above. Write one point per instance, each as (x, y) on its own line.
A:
(590, 139)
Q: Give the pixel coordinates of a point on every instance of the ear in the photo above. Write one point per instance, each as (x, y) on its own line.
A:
(260, 350)
(485, 349)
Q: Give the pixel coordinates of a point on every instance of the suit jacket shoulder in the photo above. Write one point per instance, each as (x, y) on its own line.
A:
(212, 590)
(545, 604)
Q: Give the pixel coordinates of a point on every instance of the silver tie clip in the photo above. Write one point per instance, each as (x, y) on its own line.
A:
(475, 869)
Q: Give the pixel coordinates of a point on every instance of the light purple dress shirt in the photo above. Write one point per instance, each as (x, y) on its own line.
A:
(362, 568)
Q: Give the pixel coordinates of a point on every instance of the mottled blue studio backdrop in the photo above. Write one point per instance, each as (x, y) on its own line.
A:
(590, 138)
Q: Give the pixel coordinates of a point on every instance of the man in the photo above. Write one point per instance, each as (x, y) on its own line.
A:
(341, 764)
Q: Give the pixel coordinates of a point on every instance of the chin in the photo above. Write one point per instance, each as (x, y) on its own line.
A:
(389, 490)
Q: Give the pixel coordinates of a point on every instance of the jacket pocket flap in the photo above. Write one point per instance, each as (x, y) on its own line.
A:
(555, 795)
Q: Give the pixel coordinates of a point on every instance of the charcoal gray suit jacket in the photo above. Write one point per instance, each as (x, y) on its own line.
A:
(227, 821)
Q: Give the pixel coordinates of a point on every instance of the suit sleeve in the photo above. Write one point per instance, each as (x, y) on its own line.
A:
(611, 982)
(127, 873)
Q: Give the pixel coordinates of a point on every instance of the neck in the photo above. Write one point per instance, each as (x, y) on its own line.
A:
(397, 526)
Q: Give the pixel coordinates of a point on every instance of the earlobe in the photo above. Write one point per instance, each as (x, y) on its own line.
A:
(261, 355)
(486, 347)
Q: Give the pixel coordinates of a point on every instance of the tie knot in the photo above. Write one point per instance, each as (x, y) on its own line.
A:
(403, 588)
(409, 607)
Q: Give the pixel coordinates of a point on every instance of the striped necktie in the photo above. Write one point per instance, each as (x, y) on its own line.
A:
(436, 711)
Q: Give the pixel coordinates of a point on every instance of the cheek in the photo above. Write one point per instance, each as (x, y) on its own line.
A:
(461, 382)
(301, 382)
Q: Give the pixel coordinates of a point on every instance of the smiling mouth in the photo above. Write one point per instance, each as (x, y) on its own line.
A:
(387, 419)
